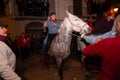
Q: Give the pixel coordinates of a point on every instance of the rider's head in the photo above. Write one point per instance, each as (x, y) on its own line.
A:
(53, 16)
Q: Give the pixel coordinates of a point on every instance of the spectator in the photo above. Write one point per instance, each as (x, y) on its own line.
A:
(109, 51)
(7, 57)
(96, 38)
(91, 39)
(23, 46)
(105, 24)
(29, 39)
(11, 44)
(15, 42)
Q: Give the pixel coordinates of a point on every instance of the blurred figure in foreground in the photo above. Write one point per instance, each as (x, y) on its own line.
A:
(7, 58)
(109, 51)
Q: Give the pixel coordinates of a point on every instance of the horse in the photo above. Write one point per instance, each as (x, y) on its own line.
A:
(60, 46)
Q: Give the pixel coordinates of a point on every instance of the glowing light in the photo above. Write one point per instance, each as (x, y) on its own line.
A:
(115, 9)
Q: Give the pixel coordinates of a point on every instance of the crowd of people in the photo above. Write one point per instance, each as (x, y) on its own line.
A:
(28, 44)
(33, 7)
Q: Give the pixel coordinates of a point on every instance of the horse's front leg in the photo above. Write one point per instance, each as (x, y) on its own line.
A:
(59, 63)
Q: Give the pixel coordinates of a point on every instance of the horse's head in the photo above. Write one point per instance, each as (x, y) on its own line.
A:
(77, 24)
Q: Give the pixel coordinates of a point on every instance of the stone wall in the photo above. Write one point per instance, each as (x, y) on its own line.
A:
(21, 23)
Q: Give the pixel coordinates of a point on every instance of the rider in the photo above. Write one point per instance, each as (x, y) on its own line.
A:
(53, 26)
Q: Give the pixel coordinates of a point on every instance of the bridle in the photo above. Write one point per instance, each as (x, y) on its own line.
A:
(80, 27)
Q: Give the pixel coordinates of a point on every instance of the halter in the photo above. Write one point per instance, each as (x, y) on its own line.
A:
(80, 27)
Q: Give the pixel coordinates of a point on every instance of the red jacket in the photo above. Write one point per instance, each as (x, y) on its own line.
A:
(23, 42)
(109, 50)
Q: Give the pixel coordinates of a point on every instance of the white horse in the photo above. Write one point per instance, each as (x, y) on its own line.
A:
(60, 46)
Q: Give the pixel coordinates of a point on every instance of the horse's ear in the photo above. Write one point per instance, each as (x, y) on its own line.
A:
(68, 13)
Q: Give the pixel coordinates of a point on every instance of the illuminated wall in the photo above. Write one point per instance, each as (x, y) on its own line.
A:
(61, 6)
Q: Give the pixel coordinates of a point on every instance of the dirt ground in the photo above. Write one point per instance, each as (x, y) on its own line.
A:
(32, 69)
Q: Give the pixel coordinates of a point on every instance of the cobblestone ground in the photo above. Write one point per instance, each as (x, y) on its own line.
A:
(32, 69)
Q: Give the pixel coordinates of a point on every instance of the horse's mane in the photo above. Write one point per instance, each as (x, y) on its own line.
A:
(63, 33)
(61, 43)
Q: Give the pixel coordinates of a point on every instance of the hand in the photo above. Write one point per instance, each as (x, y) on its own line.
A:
(45, 24)
(99, 39)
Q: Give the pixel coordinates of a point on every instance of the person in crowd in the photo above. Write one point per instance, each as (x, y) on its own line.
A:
(53, 26)
(15, 42)
(23, 45)
(29, 39)
(7, 57)
(91, 39)
(108, 50)
(10, 43)
(105, 23)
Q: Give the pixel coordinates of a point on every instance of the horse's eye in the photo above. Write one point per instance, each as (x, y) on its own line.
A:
(76, 19)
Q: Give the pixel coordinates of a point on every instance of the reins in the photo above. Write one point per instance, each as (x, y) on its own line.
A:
(76, 36)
